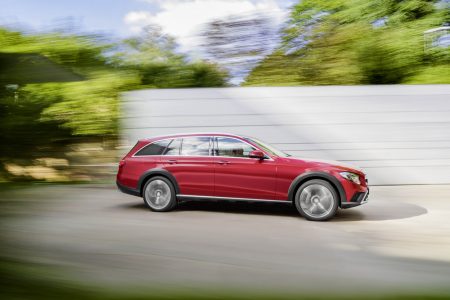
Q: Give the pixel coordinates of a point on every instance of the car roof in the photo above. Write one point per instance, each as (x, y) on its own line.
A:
(176, 135)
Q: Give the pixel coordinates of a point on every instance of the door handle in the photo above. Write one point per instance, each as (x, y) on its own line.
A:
(223, 162)
(172, 161)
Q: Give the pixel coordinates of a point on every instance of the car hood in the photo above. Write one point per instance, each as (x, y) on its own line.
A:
(326, 163)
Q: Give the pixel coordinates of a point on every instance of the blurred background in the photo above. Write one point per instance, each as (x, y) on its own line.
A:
(366, 82)
(62, 73)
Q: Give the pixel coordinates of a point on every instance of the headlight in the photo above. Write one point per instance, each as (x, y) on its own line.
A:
(351, 176)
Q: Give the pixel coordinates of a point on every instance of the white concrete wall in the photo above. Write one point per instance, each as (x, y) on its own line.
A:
(397, 134)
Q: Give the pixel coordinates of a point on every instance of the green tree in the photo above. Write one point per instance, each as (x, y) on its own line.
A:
(358, 42)
(60, 89)
(153, 54)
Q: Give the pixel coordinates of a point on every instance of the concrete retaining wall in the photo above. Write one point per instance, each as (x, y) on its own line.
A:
(397, 134)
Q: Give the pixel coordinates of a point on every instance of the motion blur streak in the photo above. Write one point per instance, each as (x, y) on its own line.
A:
(398, 242)
(363, 82)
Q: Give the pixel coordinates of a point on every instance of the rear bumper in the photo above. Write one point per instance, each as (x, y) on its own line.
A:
(357, 199)
(128, 190)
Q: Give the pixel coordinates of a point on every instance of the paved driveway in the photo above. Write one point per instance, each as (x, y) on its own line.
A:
(400, 240)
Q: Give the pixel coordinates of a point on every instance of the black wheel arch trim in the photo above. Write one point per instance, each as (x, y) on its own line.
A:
(316, 175)
(156, 172)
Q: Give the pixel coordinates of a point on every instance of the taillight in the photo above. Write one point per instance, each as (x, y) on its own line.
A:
(121, 163)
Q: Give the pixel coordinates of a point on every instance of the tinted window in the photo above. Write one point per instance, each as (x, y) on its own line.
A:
(268, 148)
(233, 147)
(174, 148)
(198, 145)
(155, 148)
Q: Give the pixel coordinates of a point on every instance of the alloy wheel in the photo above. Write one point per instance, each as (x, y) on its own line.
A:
(316, 200)
(158, 194)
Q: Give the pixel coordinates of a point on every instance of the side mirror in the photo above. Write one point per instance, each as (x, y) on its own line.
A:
(257, 154)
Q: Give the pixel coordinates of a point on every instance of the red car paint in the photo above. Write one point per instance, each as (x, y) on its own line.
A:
(272, 178)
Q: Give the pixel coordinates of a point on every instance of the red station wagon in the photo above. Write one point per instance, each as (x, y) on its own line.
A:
(217, 166)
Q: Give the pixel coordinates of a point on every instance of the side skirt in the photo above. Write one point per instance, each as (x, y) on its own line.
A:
(195, 197)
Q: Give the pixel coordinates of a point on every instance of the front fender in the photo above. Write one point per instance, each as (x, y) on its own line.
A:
(299, 180)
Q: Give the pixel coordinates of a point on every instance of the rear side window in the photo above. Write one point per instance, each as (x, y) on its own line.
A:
(155, 148)
(197, 145)
(173, 148)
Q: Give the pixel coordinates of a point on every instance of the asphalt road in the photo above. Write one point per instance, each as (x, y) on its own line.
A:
(399, 241)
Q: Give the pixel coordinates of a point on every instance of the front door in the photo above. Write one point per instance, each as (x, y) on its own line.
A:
(237, 175)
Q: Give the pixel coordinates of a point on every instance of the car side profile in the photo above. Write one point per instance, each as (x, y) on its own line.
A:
(168, 169)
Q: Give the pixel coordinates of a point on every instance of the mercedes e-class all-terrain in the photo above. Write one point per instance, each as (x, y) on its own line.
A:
(168, 169)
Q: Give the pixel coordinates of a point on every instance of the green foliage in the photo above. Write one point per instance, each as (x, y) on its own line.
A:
(431, 75)
(154, 56)
(63, 88)
(357, 42)
(88, 108)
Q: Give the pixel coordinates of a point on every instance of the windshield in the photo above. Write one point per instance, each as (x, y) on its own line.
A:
(268, 148)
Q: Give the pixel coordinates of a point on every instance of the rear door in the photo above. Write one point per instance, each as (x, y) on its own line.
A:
(189, 160)
(237, 175)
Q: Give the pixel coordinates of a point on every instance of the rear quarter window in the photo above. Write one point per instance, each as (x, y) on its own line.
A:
(155, 148)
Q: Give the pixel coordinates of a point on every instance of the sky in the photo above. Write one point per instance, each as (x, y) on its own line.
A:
(123, 18)
(117, 19)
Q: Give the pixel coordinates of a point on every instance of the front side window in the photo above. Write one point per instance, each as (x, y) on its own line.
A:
(155, 148)
(196, 145)
(232, 147)
(268, 148)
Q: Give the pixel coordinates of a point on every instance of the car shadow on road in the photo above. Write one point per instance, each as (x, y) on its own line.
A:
(393, 211)
(255, 208)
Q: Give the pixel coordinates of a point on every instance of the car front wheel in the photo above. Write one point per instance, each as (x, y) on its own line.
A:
(316, 200)
(159, 194)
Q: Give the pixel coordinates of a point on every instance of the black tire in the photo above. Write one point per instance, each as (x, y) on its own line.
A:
(320, 196)
(153, 200)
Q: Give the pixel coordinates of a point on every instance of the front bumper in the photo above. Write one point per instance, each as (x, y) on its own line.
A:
(357, 199)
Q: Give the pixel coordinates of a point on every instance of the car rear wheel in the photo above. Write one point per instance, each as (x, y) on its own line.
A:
(316, 200)
(159, 194)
